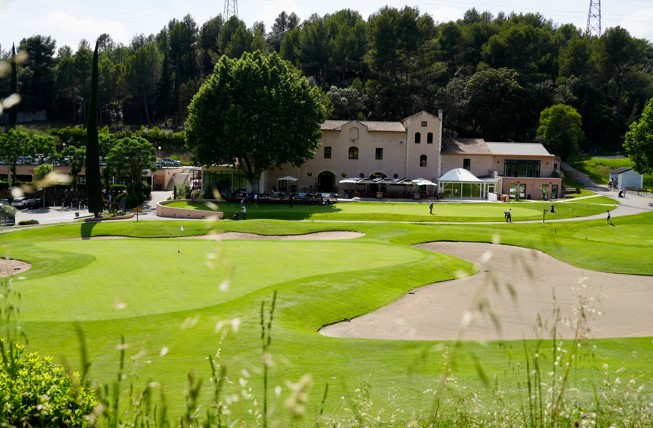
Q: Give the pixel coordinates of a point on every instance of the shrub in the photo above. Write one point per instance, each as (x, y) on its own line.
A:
(27, 222)
(36, 392)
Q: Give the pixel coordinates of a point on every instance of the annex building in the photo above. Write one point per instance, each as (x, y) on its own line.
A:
(408, 159)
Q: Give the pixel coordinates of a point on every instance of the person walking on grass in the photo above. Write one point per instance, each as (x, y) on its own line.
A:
(508, 215)
(431, 207)
(244, 213)
(609, 221)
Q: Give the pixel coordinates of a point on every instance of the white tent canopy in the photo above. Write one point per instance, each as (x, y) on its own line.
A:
(460, 174)
(287, 178)
(459, 183)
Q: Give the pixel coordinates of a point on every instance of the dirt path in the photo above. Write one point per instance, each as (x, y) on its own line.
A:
(616, 305)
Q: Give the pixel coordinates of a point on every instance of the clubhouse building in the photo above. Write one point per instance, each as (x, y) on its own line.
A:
(410, 159)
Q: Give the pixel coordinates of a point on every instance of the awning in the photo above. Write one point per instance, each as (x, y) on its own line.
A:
(287, 178)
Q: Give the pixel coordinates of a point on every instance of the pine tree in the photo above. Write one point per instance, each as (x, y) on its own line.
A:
(93, 184)
(13, 111)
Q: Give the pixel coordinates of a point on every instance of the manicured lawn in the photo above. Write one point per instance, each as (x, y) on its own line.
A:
(411, 211)
(167, 295)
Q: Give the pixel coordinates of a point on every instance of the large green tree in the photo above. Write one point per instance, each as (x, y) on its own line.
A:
(127, 160)
(494, 102)
(257, 110)
(129, 157)
(639, 141)
(560, 130)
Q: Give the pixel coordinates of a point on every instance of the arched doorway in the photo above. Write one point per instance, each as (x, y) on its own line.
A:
(326, 181)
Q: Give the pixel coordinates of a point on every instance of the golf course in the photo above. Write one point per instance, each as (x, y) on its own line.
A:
(211, 317)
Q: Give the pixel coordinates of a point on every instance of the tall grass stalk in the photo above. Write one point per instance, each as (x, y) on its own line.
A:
(266, 340)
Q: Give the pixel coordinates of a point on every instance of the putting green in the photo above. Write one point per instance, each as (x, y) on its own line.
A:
(440, 209)
(136, 277)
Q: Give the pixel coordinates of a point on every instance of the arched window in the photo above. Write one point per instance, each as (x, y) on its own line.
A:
(429, 138)
(418, 138)
(353, 152)
(424, 124)
(423, 160)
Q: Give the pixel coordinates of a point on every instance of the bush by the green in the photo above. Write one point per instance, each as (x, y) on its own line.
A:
(35, 392)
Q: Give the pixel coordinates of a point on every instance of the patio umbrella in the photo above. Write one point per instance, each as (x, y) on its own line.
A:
(423, 182)
(349, 181)
(287, 178)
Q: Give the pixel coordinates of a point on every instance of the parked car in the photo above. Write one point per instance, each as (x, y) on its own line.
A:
(7, 213)
(23, 202)
(169, 162)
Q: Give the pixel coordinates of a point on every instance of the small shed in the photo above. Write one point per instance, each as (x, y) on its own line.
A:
(624, 178)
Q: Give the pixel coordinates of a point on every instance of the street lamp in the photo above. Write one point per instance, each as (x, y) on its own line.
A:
(159, 151)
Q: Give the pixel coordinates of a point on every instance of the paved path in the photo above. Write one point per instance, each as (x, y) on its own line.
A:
(52, 215)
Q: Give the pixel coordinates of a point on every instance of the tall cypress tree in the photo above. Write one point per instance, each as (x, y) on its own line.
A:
(13, 111)
(93, 183)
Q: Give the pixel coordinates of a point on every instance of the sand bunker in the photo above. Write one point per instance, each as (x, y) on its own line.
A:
(318, 236)
(616, 305)
(10, 267)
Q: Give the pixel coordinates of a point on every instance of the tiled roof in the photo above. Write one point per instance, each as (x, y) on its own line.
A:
(520, 149)
(461, 146)
(620, 170)
(333, 125)
(336, 125)
(384, 126)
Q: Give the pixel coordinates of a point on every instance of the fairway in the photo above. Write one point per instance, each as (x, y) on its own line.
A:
(136, 277)
(417, 211)
(170, 298)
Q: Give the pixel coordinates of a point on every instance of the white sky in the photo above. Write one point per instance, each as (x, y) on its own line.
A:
(69, 21)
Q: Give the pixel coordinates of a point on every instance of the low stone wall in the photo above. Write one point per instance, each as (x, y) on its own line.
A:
(162, 210)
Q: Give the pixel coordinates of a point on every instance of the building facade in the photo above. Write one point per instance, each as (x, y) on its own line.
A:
(370, 158)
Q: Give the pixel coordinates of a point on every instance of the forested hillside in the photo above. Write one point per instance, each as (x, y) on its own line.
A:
(491, 75)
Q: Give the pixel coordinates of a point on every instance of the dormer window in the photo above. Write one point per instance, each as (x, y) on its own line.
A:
(353, 134)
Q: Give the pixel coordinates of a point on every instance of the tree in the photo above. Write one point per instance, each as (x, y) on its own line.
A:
(257, 110)
(76, 157)
(282, 24)
(13, 88)
(129, 157)
(143, 74)
(560, 130)
(40, 173)
(494, 101)
(13, 144)
(93, 183)
(208, 43)
(347, 103)
(639, 141)
(38, 75)
(127, 160)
